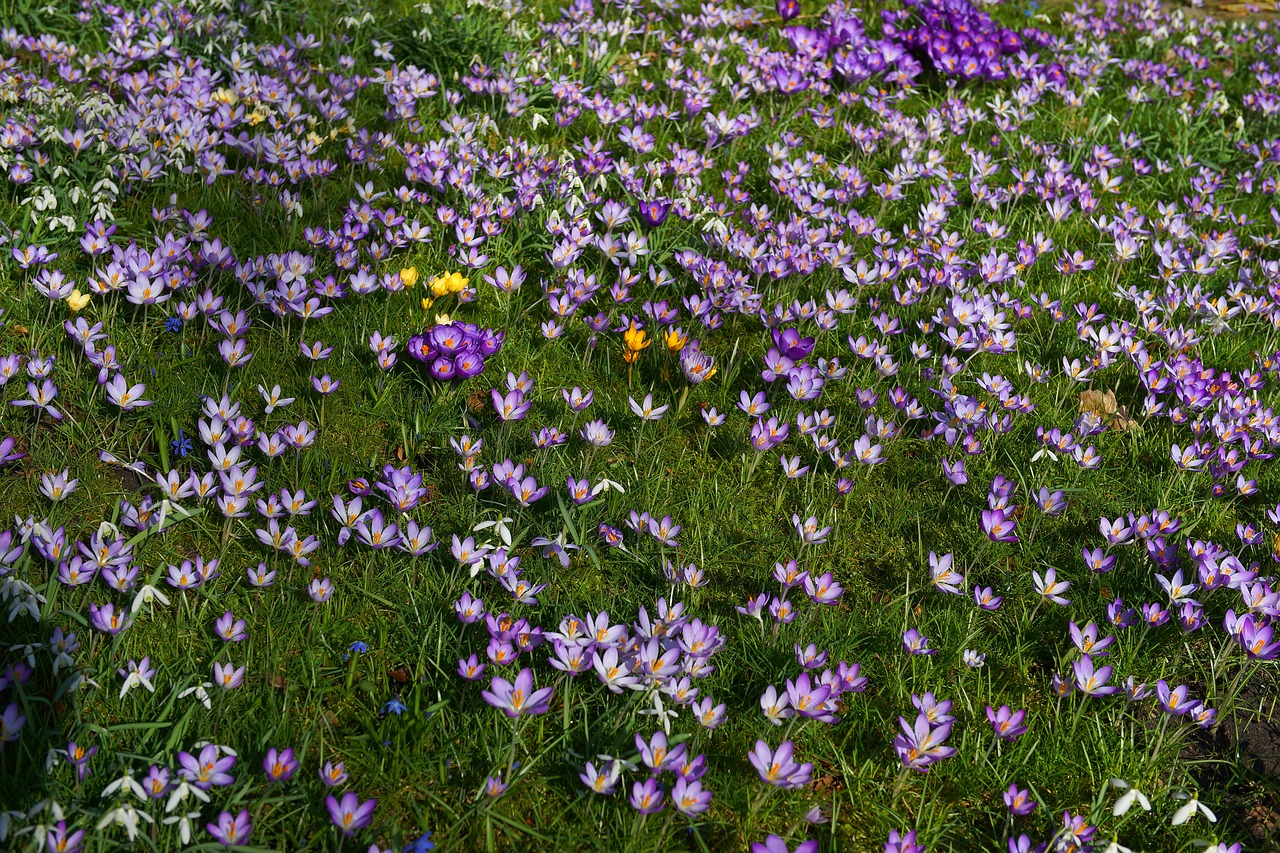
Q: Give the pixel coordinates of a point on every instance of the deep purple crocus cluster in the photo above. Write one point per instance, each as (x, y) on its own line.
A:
(455, 350)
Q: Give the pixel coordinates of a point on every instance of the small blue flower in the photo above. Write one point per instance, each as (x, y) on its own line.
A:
(173, 324)
(394, 706)
(181, 445)
(359, 647)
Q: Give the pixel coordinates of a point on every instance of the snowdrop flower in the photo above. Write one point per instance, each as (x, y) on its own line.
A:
(605, 485)
(146, 595)
(1187, 811)
(137, 674)
(6, 820)
(201, 692)
(126, 816)
(184, 824)
(1128, 798)
(499, 526)
(665, 715)
(180, 793)
(126, 782)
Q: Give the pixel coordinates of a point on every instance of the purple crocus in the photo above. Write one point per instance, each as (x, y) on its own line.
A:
(279, 765)
(1007, 723)
(231, 831)
(1019, 801)
(349, 814)
(913, 642)
(903, 842)
(208, 769)
(511, 406)
(647, 797)
(654, 213)
(518, 699)
(921, 744)
(778, 767)
(58, 840)
(998, 526)
(775, 844)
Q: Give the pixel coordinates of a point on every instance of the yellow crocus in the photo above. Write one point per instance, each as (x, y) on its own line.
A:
(675, 339)
(634, 340)
(77, 300)
(409, 276)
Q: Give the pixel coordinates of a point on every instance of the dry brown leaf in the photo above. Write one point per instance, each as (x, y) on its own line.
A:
(1098, 402)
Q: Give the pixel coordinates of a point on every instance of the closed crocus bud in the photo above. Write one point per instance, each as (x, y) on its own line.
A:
(409, 277)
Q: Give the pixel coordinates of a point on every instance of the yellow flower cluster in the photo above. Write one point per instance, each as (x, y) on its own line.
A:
(441, 285)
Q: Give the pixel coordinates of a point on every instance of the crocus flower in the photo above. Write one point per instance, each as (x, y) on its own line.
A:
(227, 676)
(775, 844)
(58, 840)
(1007, 723)
(518, 699)
(690, 798)
(333, 774)
(944, 577)
(777, 767)
(1019, 802)
(231, 831)
(603, 781)
(921, 744)
(998, 526)
(647, 797)
(904, 842)
(11, 723)
(913, 642)
(320, 590)
(647, 411)
(1050, 587)
(349, 814)
(124, 395)
(279, 765)
(208, 769)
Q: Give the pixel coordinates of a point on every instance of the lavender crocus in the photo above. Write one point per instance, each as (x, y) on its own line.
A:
(519, 698)
(350, 815)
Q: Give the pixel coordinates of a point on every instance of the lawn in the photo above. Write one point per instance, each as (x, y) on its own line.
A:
(638, 426)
